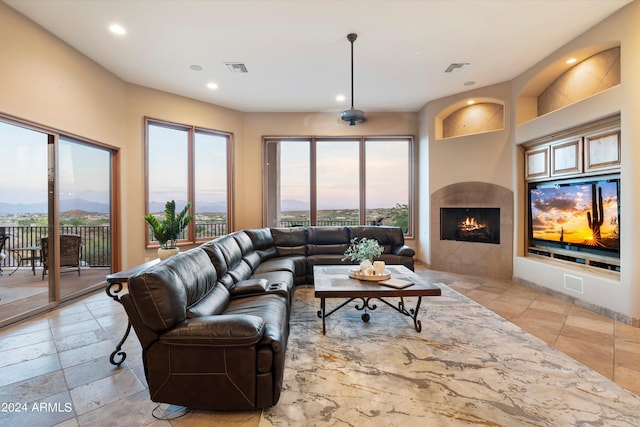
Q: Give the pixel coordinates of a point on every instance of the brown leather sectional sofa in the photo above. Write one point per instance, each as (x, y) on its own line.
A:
(213, 321)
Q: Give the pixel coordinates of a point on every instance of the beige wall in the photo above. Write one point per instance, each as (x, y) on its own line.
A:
(45, 81)
(485, 157)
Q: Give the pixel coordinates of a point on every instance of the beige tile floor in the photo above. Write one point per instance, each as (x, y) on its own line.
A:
(54, 368)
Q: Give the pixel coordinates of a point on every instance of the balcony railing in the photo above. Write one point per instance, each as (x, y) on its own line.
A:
(323, 223)
(96, 240)
(210, 229)
(95, 250)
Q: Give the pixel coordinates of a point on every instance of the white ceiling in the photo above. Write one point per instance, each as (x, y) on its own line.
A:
(297, 53)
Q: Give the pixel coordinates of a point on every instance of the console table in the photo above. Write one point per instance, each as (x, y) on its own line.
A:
(115, 288)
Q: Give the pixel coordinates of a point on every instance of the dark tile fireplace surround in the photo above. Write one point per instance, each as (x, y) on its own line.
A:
(472, 229)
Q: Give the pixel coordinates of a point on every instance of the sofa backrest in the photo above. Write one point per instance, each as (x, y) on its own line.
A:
(327, 240)
(234, 268)
(290, 241)
(388, 237)
(182, 286)
(263, 243)
(249, 254)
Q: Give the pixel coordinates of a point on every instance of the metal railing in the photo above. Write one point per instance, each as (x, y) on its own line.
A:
(322, 223)
(210, 229)
(95, 250)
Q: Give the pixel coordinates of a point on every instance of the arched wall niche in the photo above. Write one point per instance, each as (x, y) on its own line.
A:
(596, 69)
(465, 118)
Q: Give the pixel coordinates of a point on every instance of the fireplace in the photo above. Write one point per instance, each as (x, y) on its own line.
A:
(470, 224)
(451, 254)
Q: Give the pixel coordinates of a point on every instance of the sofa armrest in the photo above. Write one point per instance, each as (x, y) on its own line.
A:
(403, 250)
(217, 330)
(249, 287)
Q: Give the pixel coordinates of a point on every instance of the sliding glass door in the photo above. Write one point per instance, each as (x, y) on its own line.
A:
(24, 219)
(55, 218)
(84, 189)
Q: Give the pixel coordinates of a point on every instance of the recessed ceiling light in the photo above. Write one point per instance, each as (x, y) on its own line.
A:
(571, 60)
(117, 29)
(212, 86)
(470, 102)
(469, 83)
(340, 98)
(196, 67)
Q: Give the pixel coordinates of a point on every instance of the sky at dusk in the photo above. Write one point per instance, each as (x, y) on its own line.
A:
(387, 174)
(84, 172)
(558, 209)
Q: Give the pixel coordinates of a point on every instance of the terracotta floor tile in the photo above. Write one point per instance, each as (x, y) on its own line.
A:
(587, 335)
(543, 334)
(597, 357)
(506, 309)
(627, 332)
(628, 378)
(628, 359)
(491, 289)
(482, 297)
(599, 324)
(516, 299)
(541, 320)
(554, 306)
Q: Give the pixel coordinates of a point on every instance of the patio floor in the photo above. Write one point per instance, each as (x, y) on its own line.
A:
(23, 291)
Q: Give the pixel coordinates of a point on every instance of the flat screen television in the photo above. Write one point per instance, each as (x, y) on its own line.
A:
(576, 215)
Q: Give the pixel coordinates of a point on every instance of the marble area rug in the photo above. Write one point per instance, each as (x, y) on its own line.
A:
(468, 366)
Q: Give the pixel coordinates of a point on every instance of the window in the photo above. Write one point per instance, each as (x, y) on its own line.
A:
(338, 181)
(186, 163)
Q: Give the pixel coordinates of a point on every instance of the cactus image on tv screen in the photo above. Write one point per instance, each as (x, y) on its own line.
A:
(583, 214)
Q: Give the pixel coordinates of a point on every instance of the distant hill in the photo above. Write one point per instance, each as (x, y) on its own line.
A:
(293, 205)
(65, 205)
(95, 207)
(155, 207)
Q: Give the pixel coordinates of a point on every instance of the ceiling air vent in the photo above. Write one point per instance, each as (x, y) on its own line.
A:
(235, 67)
(457, 67)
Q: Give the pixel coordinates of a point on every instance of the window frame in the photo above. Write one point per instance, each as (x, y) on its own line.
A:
(191, 177)
(362, 141)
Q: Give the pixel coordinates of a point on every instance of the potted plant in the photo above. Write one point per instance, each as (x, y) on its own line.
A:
(167, 231)
(363, 251)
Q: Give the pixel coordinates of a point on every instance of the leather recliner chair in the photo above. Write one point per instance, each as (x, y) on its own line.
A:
(203, 348)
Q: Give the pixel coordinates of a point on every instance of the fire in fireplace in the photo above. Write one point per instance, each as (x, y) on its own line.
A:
(470, 224)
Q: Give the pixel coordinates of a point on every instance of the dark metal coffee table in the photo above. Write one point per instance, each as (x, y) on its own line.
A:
(333, 281)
